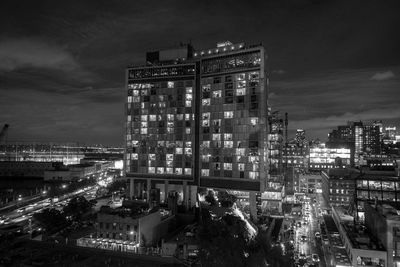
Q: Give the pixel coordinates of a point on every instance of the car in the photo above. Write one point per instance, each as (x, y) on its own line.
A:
(302, 256)
(315, 257)
(303, 238)
(325, 238)
(317, 235)
(298, 224)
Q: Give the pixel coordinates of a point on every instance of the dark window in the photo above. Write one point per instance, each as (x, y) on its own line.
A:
(217, 79)
(229, 93)
(227, 173)
(253, 144)
(254, 106)
(240, 99)
(229, 86)
(206, 129)
(228, 78)
(228, 100)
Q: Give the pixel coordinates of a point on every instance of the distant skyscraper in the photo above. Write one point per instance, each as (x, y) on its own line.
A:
(300, 137)
(197, 118)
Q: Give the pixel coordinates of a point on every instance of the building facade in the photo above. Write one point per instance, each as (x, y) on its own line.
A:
(322, 158)
(197, 118)
(338, 186)
(384, 222)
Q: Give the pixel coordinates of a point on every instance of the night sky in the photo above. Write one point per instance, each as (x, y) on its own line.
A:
(62, 63)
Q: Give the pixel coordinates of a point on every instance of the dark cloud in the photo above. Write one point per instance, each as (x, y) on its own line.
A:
(320, 101)
(29, 53)
(382, 75)
(65, 61)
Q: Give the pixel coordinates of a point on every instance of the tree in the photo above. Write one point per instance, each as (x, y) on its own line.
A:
(210, 198)
(228, 242)
(77, 207)
(226, 199)
(50, 219)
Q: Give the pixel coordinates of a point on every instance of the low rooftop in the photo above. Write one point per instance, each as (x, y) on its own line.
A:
(361, 238)
(390, 212)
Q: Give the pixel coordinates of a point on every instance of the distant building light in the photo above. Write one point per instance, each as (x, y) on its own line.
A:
(216, 50)
(195, 54)
(202, 52)
(232, 47)
(209, 51)
(224, 48)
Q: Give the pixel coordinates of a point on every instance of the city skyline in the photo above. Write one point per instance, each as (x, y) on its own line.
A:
(62, 66)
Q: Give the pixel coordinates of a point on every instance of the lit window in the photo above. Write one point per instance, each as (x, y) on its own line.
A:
(206, 88)
(129, 118)
(228, 144)
(217, 122)
(134, 156)
(188, 144)
(188, 104)
(187, 130)
(206, 144)
(205, 158)
(205, 172)
(228, 137)
(143, 118)
(143, 131)
(170, 117)
(241, 167)
(136, 99)
(188, 151)
(206, 116)
(217, 94)
(206, 102)
(228, 166)
(205, 123)
(240, 76)
(129, 99)
(241, 91)
(254, 75)
(189, 90)
(152, 156)
(228, 114)
(217, 137)
(153, 117)
(188, 171)
(170, 156)
(189, 97)
(152, 170)
(135, 92)
(178, 170)
(160, 170)
(254, 121)
(253, 175)
(178, 150)
(169, 170)
(170, 84)
(179, 117)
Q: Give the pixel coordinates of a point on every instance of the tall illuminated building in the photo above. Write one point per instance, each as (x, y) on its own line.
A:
(197, 118)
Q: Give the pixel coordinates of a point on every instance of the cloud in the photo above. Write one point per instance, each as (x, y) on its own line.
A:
(280, 72)
(21, 53)
(380, 76)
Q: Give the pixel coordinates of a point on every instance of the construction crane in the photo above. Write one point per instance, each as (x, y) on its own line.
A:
(3, 132)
